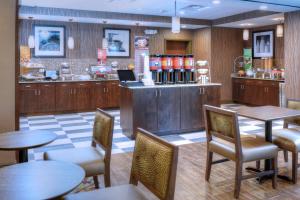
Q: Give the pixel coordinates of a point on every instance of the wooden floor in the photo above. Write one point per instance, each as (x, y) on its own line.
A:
(191, 185)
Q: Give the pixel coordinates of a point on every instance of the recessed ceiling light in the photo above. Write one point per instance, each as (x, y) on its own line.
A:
(183, 26)
(181, 12)
(278, 19)
(247, 24)
(263, 7)
(216, 2)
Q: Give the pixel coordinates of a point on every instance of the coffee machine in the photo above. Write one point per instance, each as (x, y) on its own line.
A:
(178, 66)
(189, 66)
(155, 68)
(167, 69)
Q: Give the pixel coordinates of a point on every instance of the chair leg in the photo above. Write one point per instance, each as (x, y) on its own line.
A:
(286, 156)
(294, 167)
(107, 178)
(258, 164)
(96, 182)
(275, 168)
(238, 178)
(208, 165)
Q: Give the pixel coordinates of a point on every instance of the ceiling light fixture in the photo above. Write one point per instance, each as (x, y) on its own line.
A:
(216, 2)
(247, 24)
(175, 21)
(181, 12)
(246, 34)
(31, 42)
(279, 30)
(71, 42)
(263, 7)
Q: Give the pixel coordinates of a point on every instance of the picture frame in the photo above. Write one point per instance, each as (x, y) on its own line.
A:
(119, 42)
(49, 41)
(263, 44)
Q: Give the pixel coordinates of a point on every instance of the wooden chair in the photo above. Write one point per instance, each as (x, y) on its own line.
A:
(288, 139)
(154, 164)
(95, 160)
(223, 138)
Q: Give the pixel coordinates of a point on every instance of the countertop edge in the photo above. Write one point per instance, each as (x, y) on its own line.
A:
(261, 79)
(172, 86)
(66, 81)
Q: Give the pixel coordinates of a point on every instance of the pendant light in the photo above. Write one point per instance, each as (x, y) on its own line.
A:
(31, 38)
(71, 42)
(104, 39)
(175, 21)
(279, 30)
(246, 34)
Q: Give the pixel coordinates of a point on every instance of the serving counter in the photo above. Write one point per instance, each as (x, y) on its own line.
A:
(166, 109)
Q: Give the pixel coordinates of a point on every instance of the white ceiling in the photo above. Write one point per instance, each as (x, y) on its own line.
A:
(166, 7)
(257, 22)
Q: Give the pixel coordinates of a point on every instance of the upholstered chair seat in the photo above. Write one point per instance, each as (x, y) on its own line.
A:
(288, 139)
(89, 158)
(252, 149)
(95, 160)
(154, 164)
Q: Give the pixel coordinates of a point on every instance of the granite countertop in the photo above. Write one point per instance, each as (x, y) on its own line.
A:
(66, 81)
(263, 79)
(174, 85)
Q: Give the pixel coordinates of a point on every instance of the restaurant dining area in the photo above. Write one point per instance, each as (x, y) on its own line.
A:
(149, 100)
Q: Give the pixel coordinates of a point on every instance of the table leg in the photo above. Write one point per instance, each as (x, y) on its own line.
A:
(23, 156)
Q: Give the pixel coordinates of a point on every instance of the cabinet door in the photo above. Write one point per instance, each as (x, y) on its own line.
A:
(235, 90)
(191, 108)
(272, 95)
(82, 96)
(64, 97)
(145, 109)
(46, 93)
(169, 109)
(113, 94)
(28, 98)
(99, 95)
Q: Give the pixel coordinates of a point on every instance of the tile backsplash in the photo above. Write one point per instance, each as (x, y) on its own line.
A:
(78, 66)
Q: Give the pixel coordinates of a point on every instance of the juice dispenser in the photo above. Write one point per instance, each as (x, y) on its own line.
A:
(155, 68)
(167, 67)
(189, 66)
(178, 66)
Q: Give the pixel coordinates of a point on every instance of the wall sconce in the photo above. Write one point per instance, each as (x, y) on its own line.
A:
(279, 30)
(31, 42)
(246, 34)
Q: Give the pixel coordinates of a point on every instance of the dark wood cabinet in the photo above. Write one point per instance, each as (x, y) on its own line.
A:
(37, 98)
(166, 110)
(145, 109)
(106, 94)
(255, 92)
(64, 97)
(192, 101)
(68, 96)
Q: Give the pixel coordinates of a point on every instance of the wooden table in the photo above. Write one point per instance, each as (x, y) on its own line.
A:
(267, 114)
(39, 180)
(23, 140)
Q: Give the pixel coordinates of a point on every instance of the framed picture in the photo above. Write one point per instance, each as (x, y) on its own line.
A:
(118, 42)
(263, 44)
(49, 41)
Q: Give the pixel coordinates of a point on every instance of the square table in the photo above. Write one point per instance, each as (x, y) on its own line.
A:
(267, 114)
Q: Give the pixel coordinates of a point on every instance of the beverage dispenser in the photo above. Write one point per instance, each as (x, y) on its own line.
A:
(189, 66)
(156, 68)
(167, 67)
(178, 66)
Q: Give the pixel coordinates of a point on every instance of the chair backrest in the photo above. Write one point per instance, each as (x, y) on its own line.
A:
(154, 164)
(223, 124)
(103, 130)
(292, 104)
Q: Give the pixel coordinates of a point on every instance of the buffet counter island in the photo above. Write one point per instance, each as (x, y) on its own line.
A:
(166, 109)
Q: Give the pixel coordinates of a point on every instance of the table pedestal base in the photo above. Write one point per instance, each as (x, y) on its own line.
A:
(23, 156)
(264, 178)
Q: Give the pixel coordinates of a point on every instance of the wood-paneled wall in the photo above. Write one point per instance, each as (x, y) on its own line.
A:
(279, 47)
(226, 45)
(292, 54)
(202, 44)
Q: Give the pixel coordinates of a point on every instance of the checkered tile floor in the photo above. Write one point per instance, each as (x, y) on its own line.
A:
(75, 131)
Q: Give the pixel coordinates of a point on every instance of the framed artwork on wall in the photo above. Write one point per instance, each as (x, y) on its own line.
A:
(263, 44)
(49, 41)
(118, 42)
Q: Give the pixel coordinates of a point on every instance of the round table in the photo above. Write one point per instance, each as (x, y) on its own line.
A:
(23, 140)
(39, 180)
